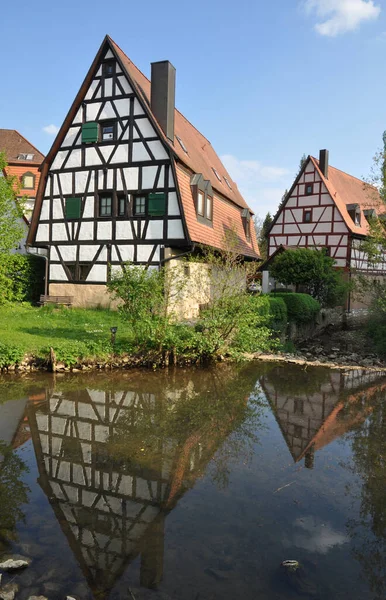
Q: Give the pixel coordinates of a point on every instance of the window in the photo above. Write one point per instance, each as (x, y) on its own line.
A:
(215, 172)
(105, 206)
(25, 156)
(200, 203)
(208, 209)
(78, 271)
(307, 216)
(327, 251)
(122, 206)
(108, 69)
(73, 208)
(89, 132)
(246, 219)
(181, 143)
(140, 205)
(28, 181)
(202, 193)
(227, 182)
(309, 189)
(108, 131)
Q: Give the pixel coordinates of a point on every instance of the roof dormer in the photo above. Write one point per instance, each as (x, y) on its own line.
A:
(354, 210)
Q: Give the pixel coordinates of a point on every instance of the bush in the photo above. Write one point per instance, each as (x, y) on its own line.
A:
(314, 272)
(377, 332)
(278, 314)
(10, 355)
(301, 308)
(21, 278)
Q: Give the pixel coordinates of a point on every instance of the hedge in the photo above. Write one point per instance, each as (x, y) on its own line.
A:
(278, 314)
(21, 278)
(301, 308)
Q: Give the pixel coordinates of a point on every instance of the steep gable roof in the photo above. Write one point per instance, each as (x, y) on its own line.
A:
(346, 189)
(200, 156)
(14, 144)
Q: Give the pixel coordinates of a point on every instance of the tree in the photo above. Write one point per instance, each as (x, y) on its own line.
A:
(313, 271)
(262, 236)
(302, 162)
(11, 228)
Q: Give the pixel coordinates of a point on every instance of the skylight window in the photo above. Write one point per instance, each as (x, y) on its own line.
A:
(181, 143)
(215, 172)
(25, 156)
(227, 182)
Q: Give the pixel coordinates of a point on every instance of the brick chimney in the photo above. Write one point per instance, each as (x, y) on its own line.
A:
(323, 162)
(163, 93)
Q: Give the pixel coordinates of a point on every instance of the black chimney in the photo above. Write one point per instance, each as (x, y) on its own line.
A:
(163, 93)
(323, 162)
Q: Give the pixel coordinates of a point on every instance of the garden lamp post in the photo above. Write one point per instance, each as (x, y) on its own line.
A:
(113, 332)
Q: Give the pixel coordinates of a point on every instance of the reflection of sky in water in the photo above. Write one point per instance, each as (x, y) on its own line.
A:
(195, 496)
(314, 535)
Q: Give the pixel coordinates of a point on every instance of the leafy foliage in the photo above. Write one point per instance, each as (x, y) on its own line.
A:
(10, 355)
(301, 308)
(314, 271)
(13, 491)
(11, 229)
(21, 278)
(262, 236)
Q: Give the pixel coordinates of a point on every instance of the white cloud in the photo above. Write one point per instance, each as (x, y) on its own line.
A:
(314, 535)
(340, 16)
(262, 186)
(51, 129)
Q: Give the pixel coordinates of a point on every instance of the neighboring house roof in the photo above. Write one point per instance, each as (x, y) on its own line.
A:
(14, 144)
(199, 158)
(346, 189)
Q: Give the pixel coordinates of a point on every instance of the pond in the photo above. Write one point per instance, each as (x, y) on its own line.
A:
(195, 484)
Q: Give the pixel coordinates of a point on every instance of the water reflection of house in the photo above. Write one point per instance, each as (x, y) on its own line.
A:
(112, 476)
(312, 418)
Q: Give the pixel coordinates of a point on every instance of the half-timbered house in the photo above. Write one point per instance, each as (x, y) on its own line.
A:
(129, 178)
(326, 208)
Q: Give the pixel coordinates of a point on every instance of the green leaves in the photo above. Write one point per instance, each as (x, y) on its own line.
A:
(314, 271)
(11, 227)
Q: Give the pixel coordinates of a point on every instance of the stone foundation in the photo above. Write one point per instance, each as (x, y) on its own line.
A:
(84, 296)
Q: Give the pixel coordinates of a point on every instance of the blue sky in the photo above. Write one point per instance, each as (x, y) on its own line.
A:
(264, 81)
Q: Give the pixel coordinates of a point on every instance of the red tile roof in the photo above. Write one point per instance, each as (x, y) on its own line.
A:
(14, 144)
(226, 219)
(346, 189)
(201, 156)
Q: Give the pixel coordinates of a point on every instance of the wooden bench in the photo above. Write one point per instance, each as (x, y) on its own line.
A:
(65, 300)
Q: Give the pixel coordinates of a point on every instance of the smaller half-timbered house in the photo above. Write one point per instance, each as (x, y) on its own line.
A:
(129, 178)
(326, 208)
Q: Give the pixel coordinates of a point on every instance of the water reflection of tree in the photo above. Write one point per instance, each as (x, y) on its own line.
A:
(13, 491)
(218, 405)
(368, 532)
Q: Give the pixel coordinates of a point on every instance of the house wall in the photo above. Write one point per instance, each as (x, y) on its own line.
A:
(136, 162)
(326, 227)
(28, 196)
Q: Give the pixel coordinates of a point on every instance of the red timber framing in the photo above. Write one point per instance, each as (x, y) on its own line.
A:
(330, 226)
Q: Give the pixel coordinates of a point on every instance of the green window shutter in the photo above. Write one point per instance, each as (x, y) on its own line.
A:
(89, 133)
(73, 208)
(157, 205)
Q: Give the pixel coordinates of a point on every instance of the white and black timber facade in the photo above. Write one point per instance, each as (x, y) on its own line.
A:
(109, 190)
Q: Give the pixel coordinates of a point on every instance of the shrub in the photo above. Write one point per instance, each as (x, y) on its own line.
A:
(376, 329)
(21, 278)
(313, 271)
(10, 355)
(278, 314)
(301, 308)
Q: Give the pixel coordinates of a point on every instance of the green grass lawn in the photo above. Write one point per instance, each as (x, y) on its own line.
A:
(72, 332)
